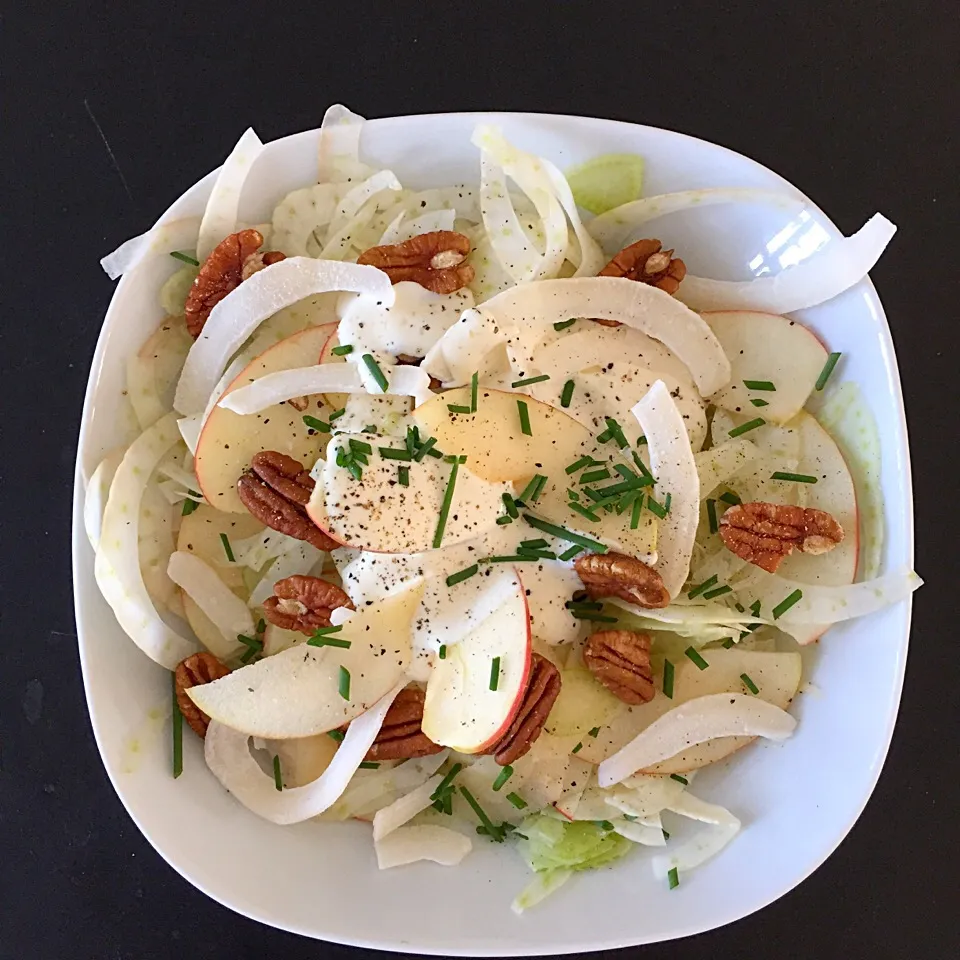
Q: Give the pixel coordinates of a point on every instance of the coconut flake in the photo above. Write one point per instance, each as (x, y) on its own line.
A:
(406, 808)
(425, 842)
(228, 756)
(239, 314)
(163, 238)
(673, 464)
(693, 722)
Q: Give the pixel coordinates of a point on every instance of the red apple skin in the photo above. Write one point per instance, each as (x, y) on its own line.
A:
(562, 812)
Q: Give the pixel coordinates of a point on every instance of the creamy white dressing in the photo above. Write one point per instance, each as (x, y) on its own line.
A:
(388, 414)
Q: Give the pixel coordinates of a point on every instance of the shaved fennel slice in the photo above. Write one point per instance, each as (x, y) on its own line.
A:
(837, 267)
(616, 228)
(539, 888)
(152, 372)
(693, 722)
(425, 842)
(117, 567)
(97, 492)
(672, 463)
(637, 305)
(649, 836)
(476, 343)
(355, 199)
(228, 613)
(704, 845)
(163, 238)
(388, 819)
(339, 150)
(228, 756)
(300, 215)
(239, 314)
(718, 464)
(590, 259)
(644, 795)
(399, 230)
(220, 216)
(322, 378)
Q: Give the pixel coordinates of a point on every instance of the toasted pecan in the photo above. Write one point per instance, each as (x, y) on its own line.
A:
(434, 260)
(620, 660)
(618, 575)
(647, 262)
(304, 603)
(197, 669)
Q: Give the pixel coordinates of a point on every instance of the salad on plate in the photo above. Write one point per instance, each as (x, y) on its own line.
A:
(469, 513)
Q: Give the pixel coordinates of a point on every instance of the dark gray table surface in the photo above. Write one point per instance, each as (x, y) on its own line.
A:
(109, 112)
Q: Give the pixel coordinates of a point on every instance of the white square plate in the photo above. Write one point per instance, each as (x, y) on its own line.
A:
(797, 800)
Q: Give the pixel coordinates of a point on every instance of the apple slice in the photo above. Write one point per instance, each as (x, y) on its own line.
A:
(461, 710)
(301, 691)
(379, 513)
(335, 401)
(776, 675)
(766, 347)
(228, 440)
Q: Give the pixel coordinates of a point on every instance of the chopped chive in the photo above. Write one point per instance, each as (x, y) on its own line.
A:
(337, 414)
(530, 380)
(759, 385)
(706, 585)
(510, 506)
(667, 500)
(605, 436)
(577, 748)
(668, 672)
(517, 800)
(252, 642)
(567, 395)
(635, 512)
(503, 521)
(679, 779)
(444, 785)
(277, 778)
(337, 735)
(746, 427)
(495, 833)
(184, 258)
(712, 515)
(403, 476)
(629, 816)
(656, 508)
(673, 878)
(533, 489)
(327, 631)
(592, 476)
(604, 824)
(413, 439)
(584, 512)
(248, 656)
(784, 605)
(261, 625)
(541, 483)
(314, 424)
(692, 654)
(583, 605)
(727, 643)
(795, 477)
(666, 835)
(458, 408)
(571, 552)
(641, 441)
(425, 448)
(502, 777)
(375, 372)
(394, 453)
(563, 324)
(343, 683)
(445, 507)
(510, 558)
(494, 673)
(564, 534)
(579, 465)
(343, 350)
(755, 608)
(749, 684)
(616, 431)
(593, 732)
(462, 575)
(442, 653)
(524, 418)
(757, 402)
(370, 428)
(730, 498)
(189, 505)
(318, 640)
(827, 370)
(718, 592)
(360, 446)
(369, 765)
(538, 544)
(590, 615)
(474, 390)
(177, 729)
(227, 549)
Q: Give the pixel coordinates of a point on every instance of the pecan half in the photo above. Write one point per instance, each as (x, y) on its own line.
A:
(617, 575)
(434, 260)
(646, 262)
(197, 669)
(231, 262)
(304, 603)
(620, 660)
(764, 533)
(276, 491)
(400, 736)
(543, 688)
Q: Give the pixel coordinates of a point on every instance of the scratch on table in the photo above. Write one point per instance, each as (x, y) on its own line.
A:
(110, 153)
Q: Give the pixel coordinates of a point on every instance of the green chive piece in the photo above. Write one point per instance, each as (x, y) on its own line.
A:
(337, 414)
(403, 476)
(667, 500)
(541, 483)
(394, 453)
(462, 575)
(360, 446)
(668, 672)
(227, 549)
(757, 402)
(593, 732)
(445, 507)
(342, 351)
(579, 464)
(495, 833)
(616, 432)
(827, 370)
(502, 777)
(718, 592)
(369, 765)
(577, 748)
(692, 654)
(727, 643)
(425, 448)
(261, 625)
(795, 477)
(583, 605)
(326, 641)
(641, 441)
(538, 544)
(746, 427)
(533, 489)
(503, 521)
(712, 515)
(444, 785)
(570, 553)
(277, 778)
(564, 534)
(524, 418)
(706, 585)
(673, 877)
(730, 498)
(343, 683)
(458, 408)
(314, 424)
(495, 673)
(604, 824)
(510, 558)
(529, 380)
(784, 605)
(641, 466)
(759, 385)
(656, 508)
(749, 684)
(635, 513)
(337, 735)
(327, 631)
(666, 836)
(563, 324)
(597, 617)
(177, 727)
(253, 642)
(189, 505)
(592, 476)
(679, 779)
(755, 608)
(184, 258)
(584, 512)
(442, 654)
(375, 372)
(567, 395)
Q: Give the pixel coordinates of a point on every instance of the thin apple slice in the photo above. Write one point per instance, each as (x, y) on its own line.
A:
(776, 675)
(474, 693)
(302, 691)
(228, 441)
(363, 511)
(764, 347)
